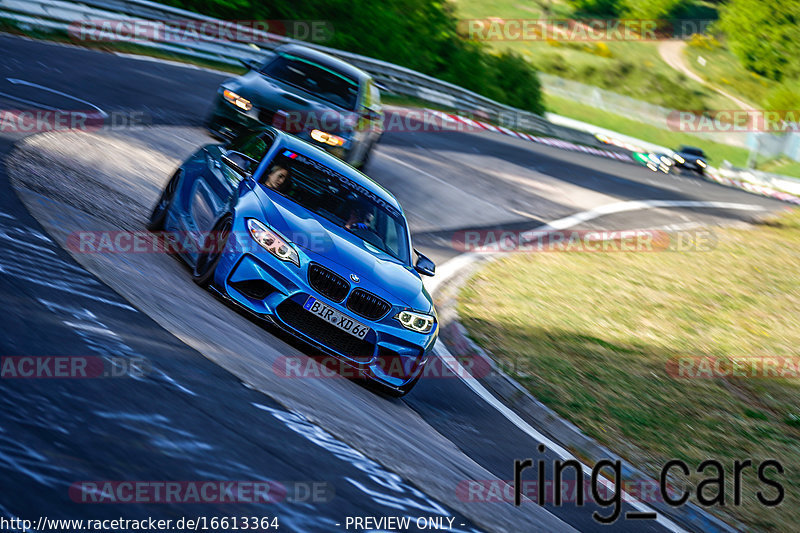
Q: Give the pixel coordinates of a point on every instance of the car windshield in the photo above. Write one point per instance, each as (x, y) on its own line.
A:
(692, 151)
(314, 78)
(341, 200)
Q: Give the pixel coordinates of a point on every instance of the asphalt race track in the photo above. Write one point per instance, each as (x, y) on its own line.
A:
(210, 406)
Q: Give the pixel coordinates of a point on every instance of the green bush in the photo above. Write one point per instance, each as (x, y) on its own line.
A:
(515, 78)
(656, 9)
(602, 8)
(555, 64)
(786, 99)
(675, 95)
(764, 35)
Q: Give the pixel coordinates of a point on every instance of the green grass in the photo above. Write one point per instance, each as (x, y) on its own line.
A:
(717, 152)
(787, 167)
(724, 70)
(512, 8)
(590, 334)
(632, 68)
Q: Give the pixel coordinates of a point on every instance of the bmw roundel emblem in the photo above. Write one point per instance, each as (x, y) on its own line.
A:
(355, 278)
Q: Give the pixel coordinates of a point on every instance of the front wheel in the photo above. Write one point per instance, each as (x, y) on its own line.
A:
(159, 214)
(367, 155)
(211, 252)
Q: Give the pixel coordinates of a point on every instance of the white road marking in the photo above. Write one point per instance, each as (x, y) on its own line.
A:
(16, 81)
(29, 102)
(171, 63)
(451, 267)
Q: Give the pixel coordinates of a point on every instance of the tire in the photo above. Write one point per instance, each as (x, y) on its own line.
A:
(207, 261)
(159, 214)
(367, 155)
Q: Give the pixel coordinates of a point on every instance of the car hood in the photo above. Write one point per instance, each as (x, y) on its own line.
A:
(326, 243)
(306, 111)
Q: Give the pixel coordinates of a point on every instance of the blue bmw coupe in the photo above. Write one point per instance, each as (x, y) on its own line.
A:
(297, 237)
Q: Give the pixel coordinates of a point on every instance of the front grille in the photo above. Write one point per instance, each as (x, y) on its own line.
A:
(327, 282)
(367, 304)
(324, 333)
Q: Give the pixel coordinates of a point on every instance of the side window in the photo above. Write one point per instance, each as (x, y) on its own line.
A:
(252, 146)
(244, 153)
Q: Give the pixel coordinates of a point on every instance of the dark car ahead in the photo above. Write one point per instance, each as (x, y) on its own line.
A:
(319, 98)
(691, 158)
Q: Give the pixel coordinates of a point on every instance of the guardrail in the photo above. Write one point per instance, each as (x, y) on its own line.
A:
(66, 15)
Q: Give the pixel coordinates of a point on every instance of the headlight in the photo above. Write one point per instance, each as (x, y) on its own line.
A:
(240, 102)
(415, 321)
(326, 138)
(701, 163)
(679, 159)
(272, 242)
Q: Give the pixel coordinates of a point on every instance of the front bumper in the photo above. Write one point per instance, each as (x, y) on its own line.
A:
(276, 291)
(228, 121)
(691, 166)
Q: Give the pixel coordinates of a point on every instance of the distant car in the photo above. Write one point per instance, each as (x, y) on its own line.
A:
(318, 97)
(691, 158)
(297, 237)
(657, 162)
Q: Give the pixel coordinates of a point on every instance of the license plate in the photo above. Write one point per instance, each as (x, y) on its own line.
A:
(332, 316)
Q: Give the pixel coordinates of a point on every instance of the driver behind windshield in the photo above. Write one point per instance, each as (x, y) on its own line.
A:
(359, 218)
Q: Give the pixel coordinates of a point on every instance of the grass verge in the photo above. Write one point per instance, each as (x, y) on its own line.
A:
(721, 67)
(591, 336)
(717, 152)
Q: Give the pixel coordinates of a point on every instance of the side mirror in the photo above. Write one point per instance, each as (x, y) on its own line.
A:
(370, 114)
(424, 265)
(240, 163)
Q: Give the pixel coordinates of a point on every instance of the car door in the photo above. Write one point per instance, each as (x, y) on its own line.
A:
(226, 167)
